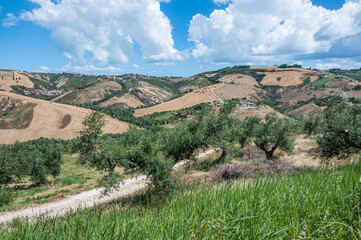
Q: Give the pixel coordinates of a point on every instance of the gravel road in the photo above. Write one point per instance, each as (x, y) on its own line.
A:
(84, 200)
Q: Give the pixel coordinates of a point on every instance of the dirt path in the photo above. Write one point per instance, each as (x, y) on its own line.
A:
(84, 200)
(212, 91)
(60, 96)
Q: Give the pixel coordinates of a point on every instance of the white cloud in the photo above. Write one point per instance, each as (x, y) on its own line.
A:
(268, 31)
(10, 20)
(102, 33)
(136, 66)
(344, 63)
(221, 1)
(327, 66)
(43, 69)
(90, 69)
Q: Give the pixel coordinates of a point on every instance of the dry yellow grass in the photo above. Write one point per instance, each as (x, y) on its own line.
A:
(242, 86)
(302, 155)
(13, 78)
(276, 68)
(289, 76)
(286, 78)
(47, 121)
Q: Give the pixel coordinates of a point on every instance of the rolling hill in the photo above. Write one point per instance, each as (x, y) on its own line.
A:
(286, 88)
(47, 119)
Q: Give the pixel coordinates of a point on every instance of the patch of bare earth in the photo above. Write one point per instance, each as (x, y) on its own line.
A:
(65, 121)
(356, 94)
(154, 93)
(15, 114)
(126, 101)
(91, 94)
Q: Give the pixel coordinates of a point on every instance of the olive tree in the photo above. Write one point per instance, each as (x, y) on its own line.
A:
(136, 150)
(342, 131)
(312, 125)
(272, 133)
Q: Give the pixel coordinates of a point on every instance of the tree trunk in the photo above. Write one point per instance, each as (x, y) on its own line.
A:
(269, 155)
(223, 157)
(309, 131)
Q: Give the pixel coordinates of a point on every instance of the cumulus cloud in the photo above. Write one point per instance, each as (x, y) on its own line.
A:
(102, 33)
(279, 30)
(43, 69)
(327, 66)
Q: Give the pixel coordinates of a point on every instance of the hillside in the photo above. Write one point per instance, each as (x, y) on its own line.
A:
(13, 78)
(47, 119)
(286, 88)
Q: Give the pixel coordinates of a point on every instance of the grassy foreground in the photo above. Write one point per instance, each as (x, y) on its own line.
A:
(314, 204)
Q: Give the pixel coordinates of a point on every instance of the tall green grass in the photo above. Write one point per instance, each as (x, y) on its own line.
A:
(306, 205)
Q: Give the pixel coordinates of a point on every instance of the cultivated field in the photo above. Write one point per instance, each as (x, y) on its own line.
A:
(11, 78)
(154, 93)
(276, 68)
(284, 76)
(191, 99)
(306, 110)
(49, 119)
(236, 86)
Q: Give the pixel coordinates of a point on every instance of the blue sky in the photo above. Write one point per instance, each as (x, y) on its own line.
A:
(181, 38)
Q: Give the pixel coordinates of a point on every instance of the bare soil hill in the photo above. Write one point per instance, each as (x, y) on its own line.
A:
(53, 120)
(153, 93)
(96, 92)
(191, 99)
(13, 78)
(126, 101)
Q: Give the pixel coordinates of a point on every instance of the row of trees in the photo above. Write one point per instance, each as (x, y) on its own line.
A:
(154, 151)
(26, 160)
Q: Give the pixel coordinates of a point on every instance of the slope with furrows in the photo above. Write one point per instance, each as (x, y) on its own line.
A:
(190, 99)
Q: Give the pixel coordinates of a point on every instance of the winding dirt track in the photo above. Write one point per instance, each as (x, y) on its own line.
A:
(85, 199)
(47, 121)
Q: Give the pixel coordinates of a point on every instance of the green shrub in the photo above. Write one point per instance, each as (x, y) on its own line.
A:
(6, 197)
